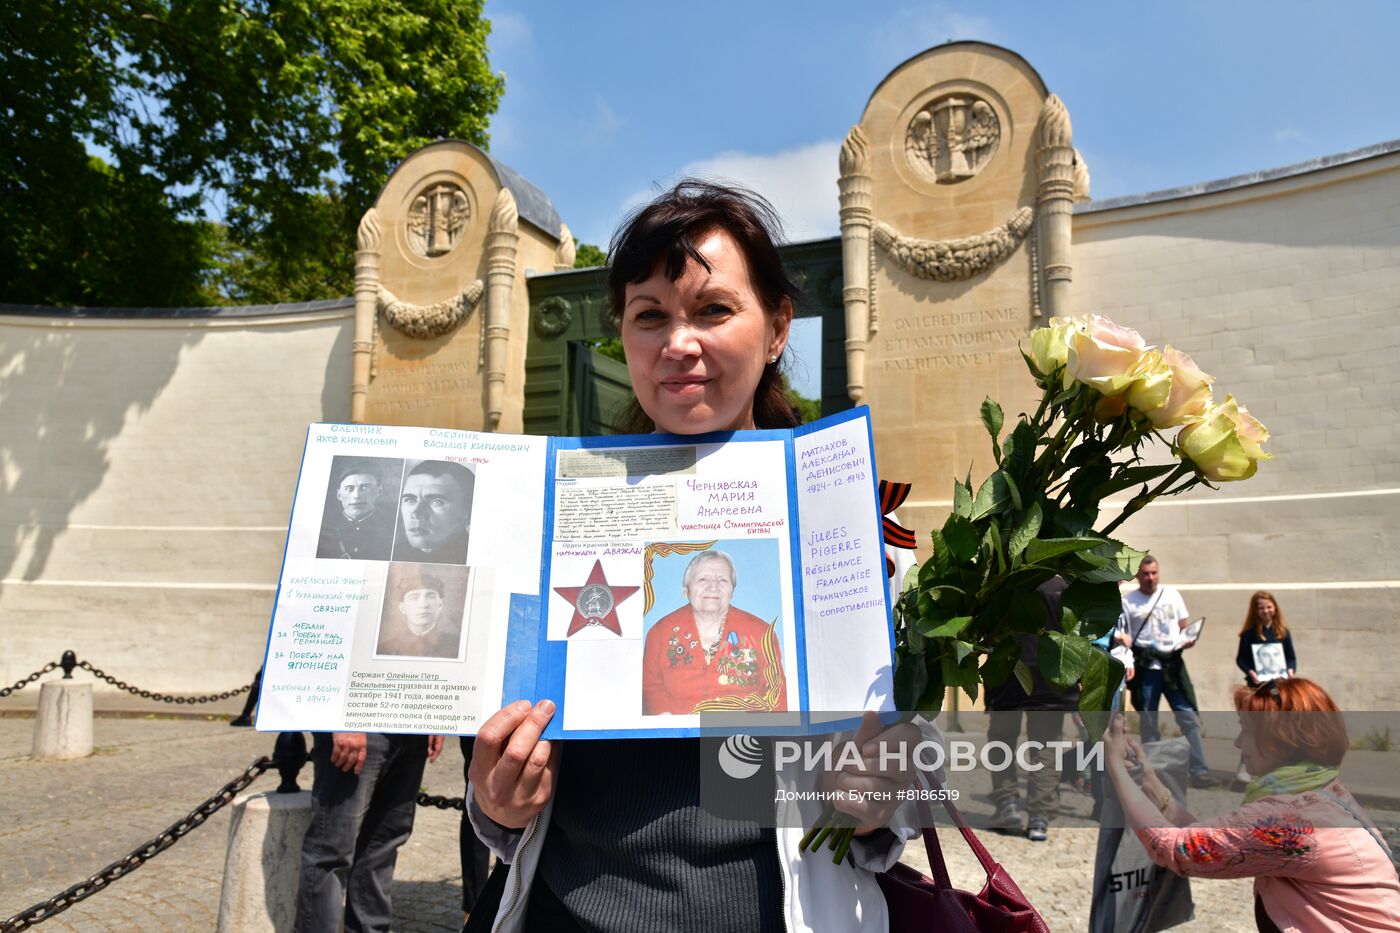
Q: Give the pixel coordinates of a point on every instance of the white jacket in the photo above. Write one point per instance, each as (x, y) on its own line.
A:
(818, 895)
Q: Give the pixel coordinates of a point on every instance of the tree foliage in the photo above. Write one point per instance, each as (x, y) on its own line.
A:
(588, 256)
(282, 119)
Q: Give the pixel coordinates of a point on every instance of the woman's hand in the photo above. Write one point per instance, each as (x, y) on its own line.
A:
(1120, 747)
(512, 771)
(871, 792)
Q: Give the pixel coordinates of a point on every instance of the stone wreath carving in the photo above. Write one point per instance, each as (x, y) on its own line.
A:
(423, 322)
(955, 260)
(553, 316)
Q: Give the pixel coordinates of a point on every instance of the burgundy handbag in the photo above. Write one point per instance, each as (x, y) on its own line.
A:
(917, 903)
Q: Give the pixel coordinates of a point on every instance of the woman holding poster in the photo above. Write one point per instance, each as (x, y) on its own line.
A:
(609, 834)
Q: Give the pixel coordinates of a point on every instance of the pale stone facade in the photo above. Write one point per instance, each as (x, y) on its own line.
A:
(441, 306)
(1286, 286)
(147, 469)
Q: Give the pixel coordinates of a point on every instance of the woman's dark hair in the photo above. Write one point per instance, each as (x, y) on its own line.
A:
(666, 230)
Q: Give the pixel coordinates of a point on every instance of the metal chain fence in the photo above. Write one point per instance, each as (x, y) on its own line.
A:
(26, 681)
(442, 803)
(43, 910)
(162, 697)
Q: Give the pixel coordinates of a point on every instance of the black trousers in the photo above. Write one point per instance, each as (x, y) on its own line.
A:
(475, 856)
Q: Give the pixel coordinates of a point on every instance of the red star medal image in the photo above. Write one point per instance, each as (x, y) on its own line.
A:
(595, 603)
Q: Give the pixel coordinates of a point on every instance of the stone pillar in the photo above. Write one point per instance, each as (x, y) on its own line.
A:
(856, 258)
(367, 241)
(565, 254)
(263, 864)
(1055, 157)
(501, 241)
(63, 723)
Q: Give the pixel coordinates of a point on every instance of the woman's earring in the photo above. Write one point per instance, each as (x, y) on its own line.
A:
(772, 359)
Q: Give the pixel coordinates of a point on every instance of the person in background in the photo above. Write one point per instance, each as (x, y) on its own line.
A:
(476, 858)
(1318, 862)
(1150, 628)
(363, 799)
(1264, 625)
(1044, 708)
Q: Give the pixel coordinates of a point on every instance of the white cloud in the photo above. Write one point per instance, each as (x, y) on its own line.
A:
(509, 29)
(800, 183)
(603, 124)
(1291, 134)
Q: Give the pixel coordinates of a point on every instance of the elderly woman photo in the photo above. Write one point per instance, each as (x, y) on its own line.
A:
(1317, 860)
(709, 654)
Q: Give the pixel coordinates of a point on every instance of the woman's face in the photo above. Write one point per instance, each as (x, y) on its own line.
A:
(1265, 609)
(696, 347)
(1254, 761)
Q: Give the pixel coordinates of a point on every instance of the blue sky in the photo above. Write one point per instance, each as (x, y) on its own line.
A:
(606, 101)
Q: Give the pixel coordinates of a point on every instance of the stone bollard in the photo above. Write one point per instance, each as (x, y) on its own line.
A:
(63, 723)
(263, 862)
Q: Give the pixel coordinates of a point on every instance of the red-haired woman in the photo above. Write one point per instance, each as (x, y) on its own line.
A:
(1264, 625)
(1317, 860)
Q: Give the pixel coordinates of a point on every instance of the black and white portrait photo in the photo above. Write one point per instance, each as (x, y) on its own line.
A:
(1269, 661)
(422, 613)
(359, 516)
(435, 512)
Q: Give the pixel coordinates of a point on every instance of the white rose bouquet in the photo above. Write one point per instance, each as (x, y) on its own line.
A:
(1107, 397)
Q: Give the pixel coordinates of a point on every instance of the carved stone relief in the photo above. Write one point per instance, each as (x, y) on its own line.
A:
(952, 138)
(436, 219)
(954, 260)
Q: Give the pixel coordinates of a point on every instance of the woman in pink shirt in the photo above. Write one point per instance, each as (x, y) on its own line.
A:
(1317, 861)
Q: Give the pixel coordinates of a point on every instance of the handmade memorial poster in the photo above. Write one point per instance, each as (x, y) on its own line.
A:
(640, 582)
(1269, 661)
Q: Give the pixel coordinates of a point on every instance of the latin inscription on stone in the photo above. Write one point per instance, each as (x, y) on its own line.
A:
(931, 341)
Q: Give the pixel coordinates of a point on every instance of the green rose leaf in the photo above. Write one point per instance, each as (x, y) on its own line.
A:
(1023, 676)
(1025, 532)
(999, 664)
(1027, 613)
(1085, 481)
(991, 496)
(910, 681)
(940, 562)
(1097, 686)
(1042, 549)
(1013, 491)
(1069, 622)
(944, 628)
(992, 418)
(961, 537)
(962, 499)
(1109, 562)
(1131, 476)
(1019, 451)
(1072, 523)
(1097, 605)
(1063, 658)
